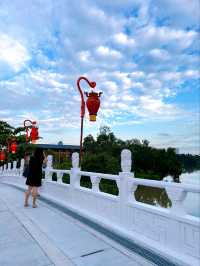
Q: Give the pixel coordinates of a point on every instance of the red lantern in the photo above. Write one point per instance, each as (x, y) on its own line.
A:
(2, 156)
(34, 135)
(93, 104)
(14, 147)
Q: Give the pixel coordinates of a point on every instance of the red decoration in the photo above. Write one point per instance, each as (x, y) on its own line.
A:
(93, 104)
(13, 147)
(2, 156)
(34, 135)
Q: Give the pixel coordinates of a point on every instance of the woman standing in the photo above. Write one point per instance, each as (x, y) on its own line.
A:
(34, 176)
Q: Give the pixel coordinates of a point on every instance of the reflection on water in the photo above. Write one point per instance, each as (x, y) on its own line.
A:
(158, 196)
(153, 196)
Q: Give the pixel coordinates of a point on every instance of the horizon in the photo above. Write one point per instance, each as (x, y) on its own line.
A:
(143, 55)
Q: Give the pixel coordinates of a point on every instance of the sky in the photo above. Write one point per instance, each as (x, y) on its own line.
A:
(143, 55)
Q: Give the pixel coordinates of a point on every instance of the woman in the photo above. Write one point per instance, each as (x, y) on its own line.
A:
(34, 176)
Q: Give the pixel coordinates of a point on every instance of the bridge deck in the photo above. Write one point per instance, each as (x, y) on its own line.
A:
(46, 236)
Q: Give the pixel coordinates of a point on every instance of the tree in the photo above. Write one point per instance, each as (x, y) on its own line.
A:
(103, 155)
(7, 131)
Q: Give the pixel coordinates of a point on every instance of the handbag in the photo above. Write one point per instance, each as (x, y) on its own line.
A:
(25, 171)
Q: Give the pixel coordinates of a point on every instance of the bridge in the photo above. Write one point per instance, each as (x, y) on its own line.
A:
(74, 225)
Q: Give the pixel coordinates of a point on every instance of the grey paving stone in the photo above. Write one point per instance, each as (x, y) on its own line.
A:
(72, 240)
(23, 255)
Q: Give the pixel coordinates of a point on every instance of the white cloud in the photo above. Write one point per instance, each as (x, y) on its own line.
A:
(123, 39)
(13, 52)
(84, 56)
(107, 52)
(128, 98)
(160, 54)
(180, 13)
(155, 36)
(137, 74)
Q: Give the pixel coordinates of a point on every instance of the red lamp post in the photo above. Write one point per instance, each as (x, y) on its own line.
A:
(34, 134)
(93, 104)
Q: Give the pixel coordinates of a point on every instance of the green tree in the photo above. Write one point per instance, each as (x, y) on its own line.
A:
(8, 132)
(103, 155)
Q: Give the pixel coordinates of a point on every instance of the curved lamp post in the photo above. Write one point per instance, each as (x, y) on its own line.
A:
(93, 104)
(34, 135)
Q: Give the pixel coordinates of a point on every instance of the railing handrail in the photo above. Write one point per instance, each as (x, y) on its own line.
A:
(164, 184)
(101, 175)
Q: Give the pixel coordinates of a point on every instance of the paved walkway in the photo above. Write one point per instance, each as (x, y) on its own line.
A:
(46, 236)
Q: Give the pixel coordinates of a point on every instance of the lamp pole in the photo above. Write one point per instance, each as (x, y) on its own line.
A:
(92, 84)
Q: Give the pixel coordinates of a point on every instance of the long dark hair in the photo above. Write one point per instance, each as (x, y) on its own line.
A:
(38, 154)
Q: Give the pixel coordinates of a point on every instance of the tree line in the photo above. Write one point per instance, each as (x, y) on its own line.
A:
(103, 155)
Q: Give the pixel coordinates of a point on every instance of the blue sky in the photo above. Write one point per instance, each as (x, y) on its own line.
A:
(143, 55)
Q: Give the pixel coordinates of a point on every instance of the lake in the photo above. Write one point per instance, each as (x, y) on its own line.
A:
(158, 196)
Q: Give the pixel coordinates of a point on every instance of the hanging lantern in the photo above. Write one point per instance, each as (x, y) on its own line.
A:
(13, 147)
(34, 135)
(2, 156)
(93, 104)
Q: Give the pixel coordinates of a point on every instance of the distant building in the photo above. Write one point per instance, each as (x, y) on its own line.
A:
(59, 149)
(177, 151)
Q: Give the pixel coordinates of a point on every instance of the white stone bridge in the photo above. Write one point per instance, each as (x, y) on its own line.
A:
(74, 225)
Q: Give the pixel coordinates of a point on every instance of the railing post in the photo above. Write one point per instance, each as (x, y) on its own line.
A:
(9, 168)
(14, 168)
(21, 169)
(48, 173)
(74, 176)
(125, 176)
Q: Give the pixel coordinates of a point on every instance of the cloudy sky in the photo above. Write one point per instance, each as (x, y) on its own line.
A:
(143, 55)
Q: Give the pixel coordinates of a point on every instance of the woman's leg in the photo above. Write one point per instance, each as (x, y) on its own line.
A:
(27, 194)
(34, 195)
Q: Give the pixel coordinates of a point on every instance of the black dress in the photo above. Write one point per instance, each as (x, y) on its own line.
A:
(34, 175)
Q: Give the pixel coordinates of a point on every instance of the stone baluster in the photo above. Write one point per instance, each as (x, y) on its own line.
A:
(124, 177)
(95, 180)
(177, 196)
(59, 177)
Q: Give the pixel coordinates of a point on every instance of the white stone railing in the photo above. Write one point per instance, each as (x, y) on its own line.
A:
(170, 232)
